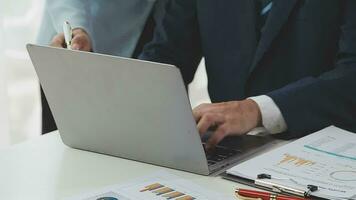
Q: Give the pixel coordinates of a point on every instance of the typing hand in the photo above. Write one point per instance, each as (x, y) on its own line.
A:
(81, 40)
(228, 118)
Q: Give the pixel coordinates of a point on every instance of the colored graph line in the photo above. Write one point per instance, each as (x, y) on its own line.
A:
(329, 153)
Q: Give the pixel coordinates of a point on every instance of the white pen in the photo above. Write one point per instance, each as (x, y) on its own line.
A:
(68, 34)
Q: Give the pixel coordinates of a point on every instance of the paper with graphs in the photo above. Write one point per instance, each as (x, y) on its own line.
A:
(326, 159)
(159, 186)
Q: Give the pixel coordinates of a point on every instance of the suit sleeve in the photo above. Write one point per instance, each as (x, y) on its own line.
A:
(176, 38)
(313, 103)
(77, 12)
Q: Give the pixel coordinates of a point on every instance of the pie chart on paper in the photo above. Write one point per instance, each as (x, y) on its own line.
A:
(107, 198)
(344, 175)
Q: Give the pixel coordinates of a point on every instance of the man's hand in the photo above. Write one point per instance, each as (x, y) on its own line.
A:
(81, 40)
(229, 118)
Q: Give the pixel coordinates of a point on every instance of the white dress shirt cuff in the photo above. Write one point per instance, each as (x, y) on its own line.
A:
(272, 118)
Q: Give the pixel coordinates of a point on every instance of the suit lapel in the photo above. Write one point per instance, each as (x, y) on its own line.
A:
(277, 17)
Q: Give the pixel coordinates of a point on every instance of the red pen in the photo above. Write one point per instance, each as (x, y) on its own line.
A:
(264, 195)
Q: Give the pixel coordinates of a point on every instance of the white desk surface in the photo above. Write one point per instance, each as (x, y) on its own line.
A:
(44, 168)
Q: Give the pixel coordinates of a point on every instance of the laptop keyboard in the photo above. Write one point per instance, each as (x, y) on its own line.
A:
(219, 154)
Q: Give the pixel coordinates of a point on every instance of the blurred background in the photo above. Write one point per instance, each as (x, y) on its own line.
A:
(20, 108)
(19, 89)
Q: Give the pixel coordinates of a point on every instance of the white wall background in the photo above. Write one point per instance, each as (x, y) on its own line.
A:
(4, 120)
(19, 89)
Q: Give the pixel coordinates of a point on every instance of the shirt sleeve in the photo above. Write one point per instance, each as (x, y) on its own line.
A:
(272, 118)
(76, 12)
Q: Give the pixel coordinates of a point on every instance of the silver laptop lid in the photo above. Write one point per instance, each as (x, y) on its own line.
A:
(122, 107)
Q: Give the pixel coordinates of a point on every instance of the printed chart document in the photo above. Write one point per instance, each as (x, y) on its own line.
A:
(159, 186)
(326, 159)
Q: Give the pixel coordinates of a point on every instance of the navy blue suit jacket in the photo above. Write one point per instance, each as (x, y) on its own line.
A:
(304, 58)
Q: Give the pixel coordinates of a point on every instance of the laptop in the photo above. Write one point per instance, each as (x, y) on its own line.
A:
(131, 109)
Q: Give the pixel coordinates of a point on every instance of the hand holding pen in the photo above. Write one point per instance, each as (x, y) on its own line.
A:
(76, 39)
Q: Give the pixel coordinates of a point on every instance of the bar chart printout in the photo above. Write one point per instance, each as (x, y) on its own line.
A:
(159, 186)
(166, 192)
(295, 160)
